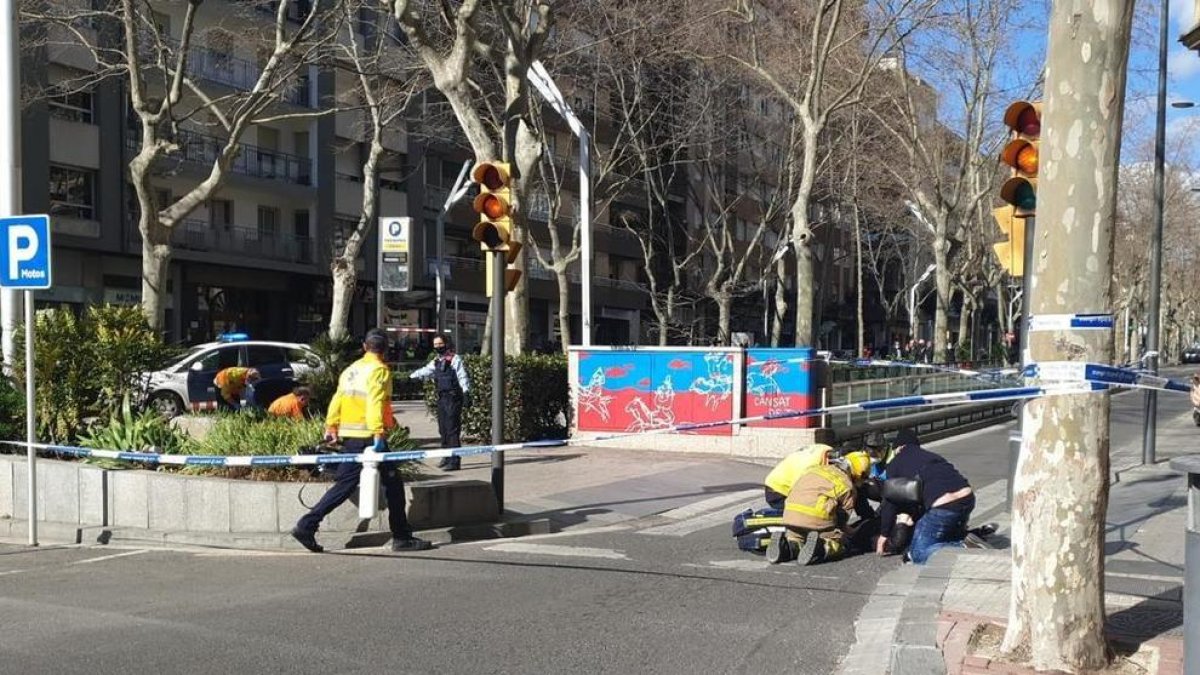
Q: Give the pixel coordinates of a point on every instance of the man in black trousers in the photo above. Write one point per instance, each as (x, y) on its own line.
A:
(452, 384)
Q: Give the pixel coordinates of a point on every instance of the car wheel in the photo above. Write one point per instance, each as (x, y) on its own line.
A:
(167, 404)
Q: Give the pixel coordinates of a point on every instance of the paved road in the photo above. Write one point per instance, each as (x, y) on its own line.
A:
(648, 580)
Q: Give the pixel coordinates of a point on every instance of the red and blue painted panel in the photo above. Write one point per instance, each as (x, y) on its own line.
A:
(643, 390)
(779, 380)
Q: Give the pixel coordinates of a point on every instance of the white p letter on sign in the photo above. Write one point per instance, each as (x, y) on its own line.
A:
(22, 246)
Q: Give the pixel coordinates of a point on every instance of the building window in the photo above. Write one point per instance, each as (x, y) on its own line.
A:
(72, 106)
(72, 192)
(268, 221)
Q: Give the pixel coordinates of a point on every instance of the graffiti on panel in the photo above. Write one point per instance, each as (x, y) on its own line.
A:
(646, 390)
(779, 380)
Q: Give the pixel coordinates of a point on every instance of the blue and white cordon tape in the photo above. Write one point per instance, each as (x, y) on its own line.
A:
(1056, 379)
(993, 395)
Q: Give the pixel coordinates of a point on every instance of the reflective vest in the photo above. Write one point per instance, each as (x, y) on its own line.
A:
(231, 382)
(784, 475)
(817, 496)
(362, 406)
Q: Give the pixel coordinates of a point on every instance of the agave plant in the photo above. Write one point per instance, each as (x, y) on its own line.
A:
(130, 429)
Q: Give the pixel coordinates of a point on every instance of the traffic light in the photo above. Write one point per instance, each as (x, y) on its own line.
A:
(1024, 121)
(494, 205)
(1012, 252)
(494, 230)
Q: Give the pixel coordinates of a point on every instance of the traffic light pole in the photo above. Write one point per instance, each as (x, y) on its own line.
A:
(498, 265)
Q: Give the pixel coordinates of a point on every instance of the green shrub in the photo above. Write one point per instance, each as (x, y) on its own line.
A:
(12, 411)
(138, 431)
(85, 367)
(334, 355)
(240, 435)
(536, 396)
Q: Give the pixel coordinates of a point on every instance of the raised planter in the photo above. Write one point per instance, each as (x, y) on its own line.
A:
(79, 502)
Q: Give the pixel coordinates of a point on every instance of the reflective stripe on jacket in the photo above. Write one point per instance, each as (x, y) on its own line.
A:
(817, 497)
(362, 406)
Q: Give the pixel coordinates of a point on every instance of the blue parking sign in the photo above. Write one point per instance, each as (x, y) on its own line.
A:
(25, 252)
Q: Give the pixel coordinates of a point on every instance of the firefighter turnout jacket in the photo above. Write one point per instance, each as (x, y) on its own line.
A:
(361, 408)
(821, 499)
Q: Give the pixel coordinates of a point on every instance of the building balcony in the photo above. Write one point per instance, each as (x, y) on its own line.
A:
(218, 67)
(252, 160)
(237, 240)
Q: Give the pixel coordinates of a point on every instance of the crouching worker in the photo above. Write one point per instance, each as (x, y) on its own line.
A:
(779, 482)
(817, 512)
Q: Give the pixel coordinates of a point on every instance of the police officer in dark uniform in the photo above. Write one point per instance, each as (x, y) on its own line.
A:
(450, 380)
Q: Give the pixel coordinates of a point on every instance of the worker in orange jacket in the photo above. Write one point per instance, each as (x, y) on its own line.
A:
(232, 384)
(293, 405)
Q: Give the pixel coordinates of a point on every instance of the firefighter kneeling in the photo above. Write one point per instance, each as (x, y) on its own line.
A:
(817, 512)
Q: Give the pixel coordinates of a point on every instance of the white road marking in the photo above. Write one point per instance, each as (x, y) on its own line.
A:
(564, 551)
(110, 557)
(7, 572)
(704, 506)
(579, 532)
(686, 527)
(1147, 577)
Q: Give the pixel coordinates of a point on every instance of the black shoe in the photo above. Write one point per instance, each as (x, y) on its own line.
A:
(444, 463)
(454, 464)
(986, 530)
(810, 551)
(778, 549)
(308, 540)
(973, 540)
(410, 544)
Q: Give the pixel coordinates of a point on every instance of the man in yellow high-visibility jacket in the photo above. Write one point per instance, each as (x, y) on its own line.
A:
(361, 414)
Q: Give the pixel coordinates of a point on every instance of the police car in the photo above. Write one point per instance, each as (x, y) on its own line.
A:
(187, 383)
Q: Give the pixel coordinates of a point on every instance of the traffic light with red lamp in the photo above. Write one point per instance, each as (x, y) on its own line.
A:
(495, 227)
(1020, 154)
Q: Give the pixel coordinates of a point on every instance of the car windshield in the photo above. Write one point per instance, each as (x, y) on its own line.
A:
(187, 356)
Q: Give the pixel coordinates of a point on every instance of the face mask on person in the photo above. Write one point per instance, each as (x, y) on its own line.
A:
(440, 350)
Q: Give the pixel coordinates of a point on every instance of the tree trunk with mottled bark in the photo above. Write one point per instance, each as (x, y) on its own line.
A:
(1056, 619)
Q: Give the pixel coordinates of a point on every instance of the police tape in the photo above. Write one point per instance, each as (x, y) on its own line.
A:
(266, 461)
(1077, 371)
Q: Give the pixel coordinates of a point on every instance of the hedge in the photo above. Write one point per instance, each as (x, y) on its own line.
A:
(537, 398)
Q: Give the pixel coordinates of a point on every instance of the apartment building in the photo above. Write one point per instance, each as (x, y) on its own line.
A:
(255, 257)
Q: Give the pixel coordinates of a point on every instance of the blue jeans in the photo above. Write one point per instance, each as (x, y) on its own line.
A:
(937, 529)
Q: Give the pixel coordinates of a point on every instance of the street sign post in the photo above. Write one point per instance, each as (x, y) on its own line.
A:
(25, 265)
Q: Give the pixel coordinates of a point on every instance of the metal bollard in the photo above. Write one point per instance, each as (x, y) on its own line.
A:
(1190, 465)
(1014, 453)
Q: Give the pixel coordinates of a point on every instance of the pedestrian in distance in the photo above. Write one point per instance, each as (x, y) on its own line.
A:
(235, 387)
(453, 389)
(293, 405)
(941, 499)
(360, 415)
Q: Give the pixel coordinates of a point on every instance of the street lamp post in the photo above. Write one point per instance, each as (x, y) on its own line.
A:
(1150, 430)
(912, 299)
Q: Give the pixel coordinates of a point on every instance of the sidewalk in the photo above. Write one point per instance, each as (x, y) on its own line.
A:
(948, 616)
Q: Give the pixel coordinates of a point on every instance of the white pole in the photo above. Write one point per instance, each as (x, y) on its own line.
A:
(544, 84)
(585, 233)
(10, 161)
(30, 421)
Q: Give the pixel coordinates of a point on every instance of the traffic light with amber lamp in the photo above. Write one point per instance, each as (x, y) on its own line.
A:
(494, 205)
(1011, 253)
(1024, 121)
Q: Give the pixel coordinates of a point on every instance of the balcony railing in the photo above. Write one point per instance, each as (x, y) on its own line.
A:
(248, 242)
(250, 161)
(221, 68)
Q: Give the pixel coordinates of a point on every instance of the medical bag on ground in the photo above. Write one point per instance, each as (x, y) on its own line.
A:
(752, 528)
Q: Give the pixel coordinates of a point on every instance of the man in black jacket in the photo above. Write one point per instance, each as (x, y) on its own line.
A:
(946, 499)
